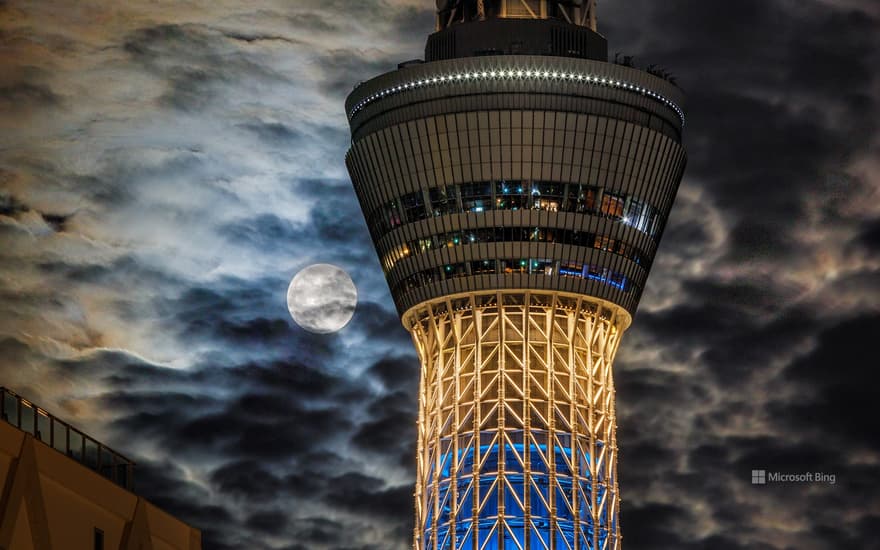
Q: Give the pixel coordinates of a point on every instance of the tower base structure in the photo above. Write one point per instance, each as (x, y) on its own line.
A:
(516, 436)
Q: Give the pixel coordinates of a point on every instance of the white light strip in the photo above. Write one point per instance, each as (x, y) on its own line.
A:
(516, 74)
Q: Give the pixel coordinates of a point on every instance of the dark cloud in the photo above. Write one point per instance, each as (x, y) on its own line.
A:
(10, 206)
(344, 69)
(364, 494)
(396, 372)
(870, 237)
(27, 95)
(837, 385)
(312, 21)
(13, 208)
(378, 322)
(193, 62)
(252, 38)
(271, 523)
(274, 133)
(247, 479)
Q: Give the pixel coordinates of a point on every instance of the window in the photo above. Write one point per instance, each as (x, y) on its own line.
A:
(547, 196)
(597, 273)
(541, 267)
(617, 280)
(476, 197)
(536, 234)
(571, 269)
(652, 221)
(535, 266)
(414, 207)
(578, 238)
(603, 243)
(410, 283)
(515, 266)
(490, 234)
(636, 214)
(612, 205)
(484, 267)
(443, 200)
(392, 215)
(586, 199)
(510, 195)
(450, 239)
(432, 275)
(99, 539)
(455, 270)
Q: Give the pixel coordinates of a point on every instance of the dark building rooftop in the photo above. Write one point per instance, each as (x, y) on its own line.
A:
(64, 438)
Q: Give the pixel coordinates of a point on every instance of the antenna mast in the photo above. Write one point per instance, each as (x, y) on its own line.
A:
(576, 12)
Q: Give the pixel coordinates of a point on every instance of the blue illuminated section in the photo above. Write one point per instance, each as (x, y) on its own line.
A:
(495, 488)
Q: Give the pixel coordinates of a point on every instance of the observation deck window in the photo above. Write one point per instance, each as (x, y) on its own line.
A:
(392, 215)
(484, 267)
(444, 200)
(476, 197)
(517, 265)
(548, 196)
(541, 267)
(414, 207)
(612, 205)
(642, 216)
(511, 195)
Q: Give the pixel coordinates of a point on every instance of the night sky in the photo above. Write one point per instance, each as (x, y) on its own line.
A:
(167, 167)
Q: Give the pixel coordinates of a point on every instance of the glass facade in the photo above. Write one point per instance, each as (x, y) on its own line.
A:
(513, 234)
(524, 266)
(517, 195)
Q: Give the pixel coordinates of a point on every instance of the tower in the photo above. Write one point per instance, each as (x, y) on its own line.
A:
(516, 186)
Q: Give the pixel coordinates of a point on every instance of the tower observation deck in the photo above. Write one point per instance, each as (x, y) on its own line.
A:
(516, 186)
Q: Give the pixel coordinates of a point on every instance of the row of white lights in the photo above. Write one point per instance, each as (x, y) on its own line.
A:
(512, 75)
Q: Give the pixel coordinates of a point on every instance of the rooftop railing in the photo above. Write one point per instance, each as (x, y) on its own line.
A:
(64, 438)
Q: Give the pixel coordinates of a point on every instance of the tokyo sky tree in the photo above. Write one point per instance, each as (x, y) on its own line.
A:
(516, 186)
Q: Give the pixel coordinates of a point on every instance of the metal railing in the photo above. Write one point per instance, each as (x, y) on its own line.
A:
(64, 438)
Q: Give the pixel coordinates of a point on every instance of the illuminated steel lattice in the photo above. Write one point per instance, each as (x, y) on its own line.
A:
(517, 443)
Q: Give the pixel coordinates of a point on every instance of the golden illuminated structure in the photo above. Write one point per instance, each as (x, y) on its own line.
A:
(516, 395)
(516, 187)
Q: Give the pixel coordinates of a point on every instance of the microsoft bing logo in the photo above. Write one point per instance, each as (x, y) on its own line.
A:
(759, 477)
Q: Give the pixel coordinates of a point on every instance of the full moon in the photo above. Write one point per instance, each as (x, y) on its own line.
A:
(321, 298)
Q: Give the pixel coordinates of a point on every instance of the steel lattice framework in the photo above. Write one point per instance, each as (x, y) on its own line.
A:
(517, 445)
